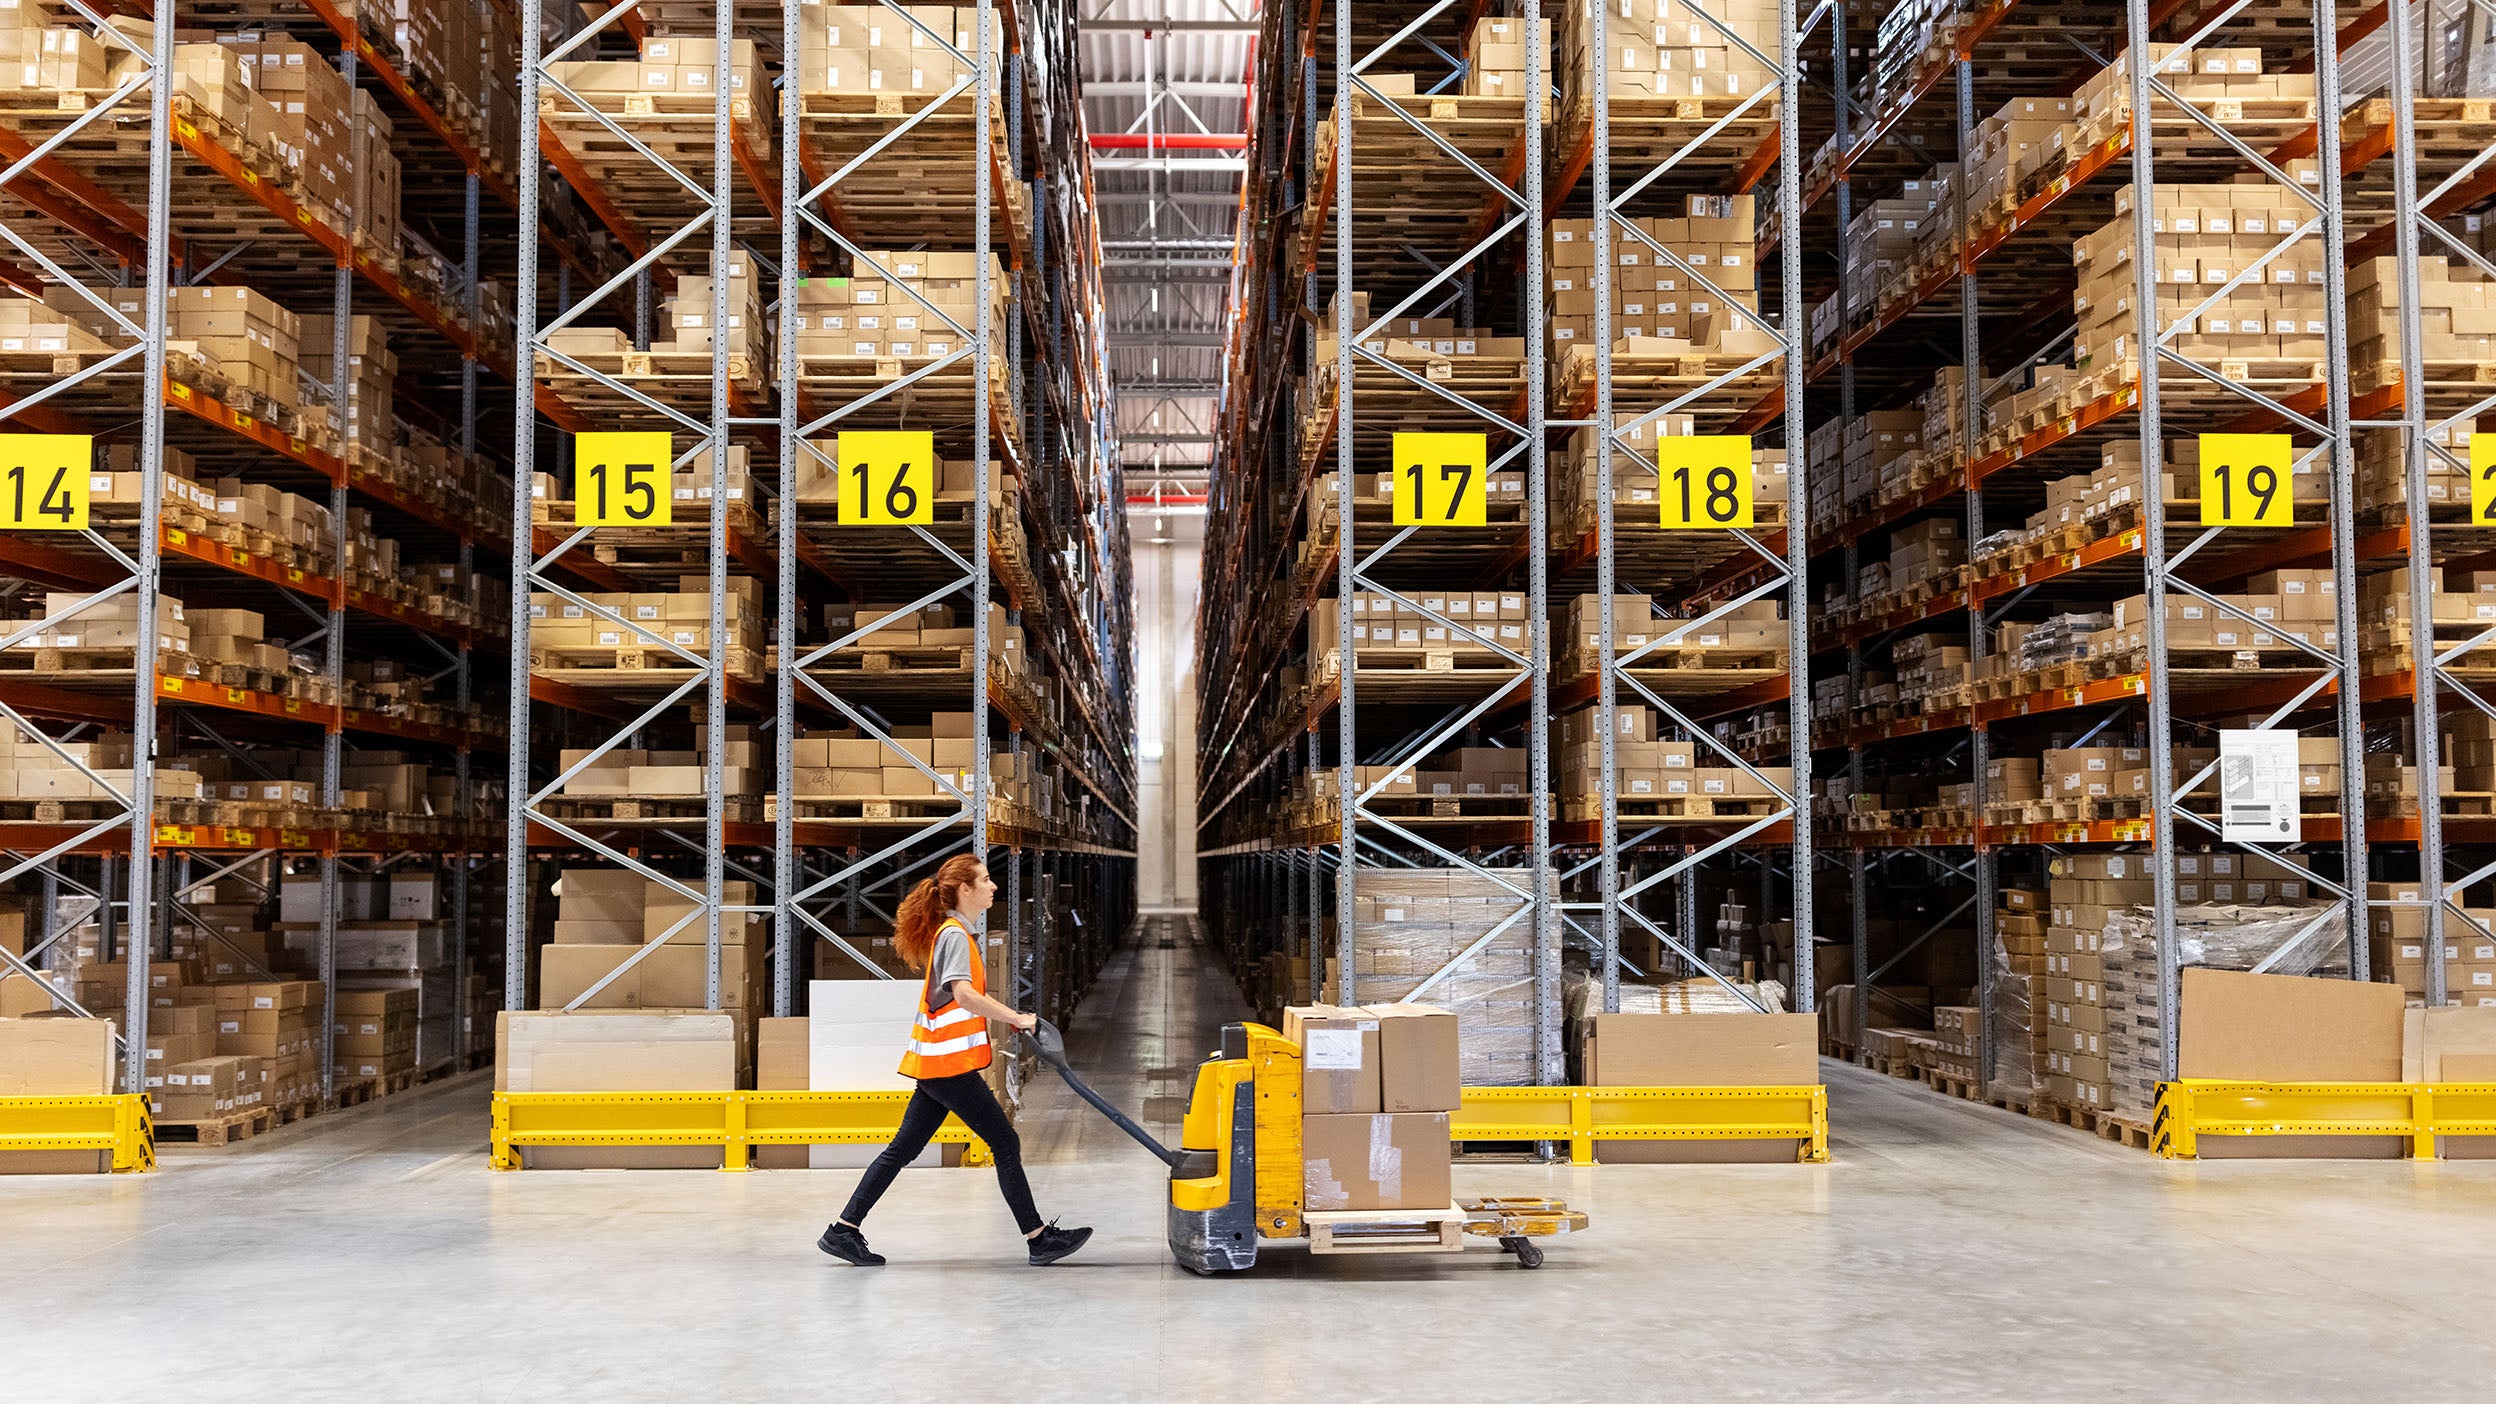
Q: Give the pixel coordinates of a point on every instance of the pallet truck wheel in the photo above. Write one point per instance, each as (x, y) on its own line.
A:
(1528, 1256)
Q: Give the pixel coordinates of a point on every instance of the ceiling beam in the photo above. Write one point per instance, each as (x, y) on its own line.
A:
(1156, 339)
(1187, 165)
(1234, 91)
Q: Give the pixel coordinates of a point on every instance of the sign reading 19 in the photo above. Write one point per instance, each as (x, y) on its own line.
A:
(2246, 480)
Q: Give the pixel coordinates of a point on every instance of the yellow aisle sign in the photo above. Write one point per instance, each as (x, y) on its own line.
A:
(43, 481)
(623, 479)
(887, 477)
(2245, 480)
(1705, 482)
(1441, 479)
(2483, 478)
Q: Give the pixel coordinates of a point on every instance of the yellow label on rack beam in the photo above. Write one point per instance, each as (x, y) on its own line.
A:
(623, 479)
(1441, 480)
(1705, 482)
(44, 481)
(2483, 478)
(2244, 480)
(885, 477)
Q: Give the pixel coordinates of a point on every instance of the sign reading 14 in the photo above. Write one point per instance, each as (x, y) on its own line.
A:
(44, 481)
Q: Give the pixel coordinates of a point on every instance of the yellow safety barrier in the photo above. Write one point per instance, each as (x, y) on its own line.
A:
(2418, 1112)
(1582, 1116)
(730, 1120)
(116, 1123)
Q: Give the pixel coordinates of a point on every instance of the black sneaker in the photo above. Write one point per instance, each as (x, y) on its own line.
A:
(1053, 1243)
(850, 1246)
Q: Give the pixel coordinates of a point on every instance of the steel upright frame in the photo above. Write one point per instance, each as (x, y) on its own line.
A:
(145, 568)
(1517, 209)
(1789, 568)
(2160, 574)
(532, 571)
(798, 891)
(2424, 432)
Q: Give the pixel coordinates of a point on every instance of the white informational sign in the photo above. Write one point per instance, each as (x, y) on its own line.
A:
(2258, 787)
(1333, 1050)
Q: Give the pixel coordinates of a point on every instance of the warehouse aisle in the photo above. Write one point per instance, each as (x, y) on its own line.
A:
(1949, 1250)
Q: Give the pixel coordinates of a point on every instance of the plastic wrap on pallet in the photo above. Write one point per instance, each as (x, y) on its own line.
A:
(2279, 940)
(1425, 934)
(2015, 1028)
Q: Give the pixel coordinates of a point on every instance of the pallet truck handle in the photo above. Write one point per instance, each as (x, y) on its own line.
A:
(1052, 1049)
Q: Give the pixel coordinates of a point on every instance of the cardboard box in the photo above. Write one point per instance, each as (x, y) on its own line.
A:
(1417, 1059)
(2288, 1028)
(56, 1058)
(1377, 1161)
(599, 1051)
(1701, 1050)
(1339, 1058)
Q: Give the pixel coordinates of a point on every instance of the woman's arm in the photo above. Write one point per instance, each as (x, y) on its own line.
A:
(971, 999)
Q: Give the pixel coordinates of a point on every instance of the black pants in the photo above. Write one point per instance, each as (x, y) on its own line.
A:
(967, 1097)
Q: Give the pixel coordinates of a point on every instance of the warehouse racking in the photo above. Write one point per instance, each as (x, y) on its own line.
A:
(1460, 194)
(146, 173)
(1990, 479)
(948, 671)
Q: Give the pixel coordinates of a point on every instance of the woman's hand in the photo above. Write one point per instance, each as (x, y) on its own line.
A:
(1027, 1022)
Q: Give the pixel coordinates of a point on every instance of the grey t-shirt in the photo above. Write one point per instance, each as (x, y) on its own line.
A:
(950, 960)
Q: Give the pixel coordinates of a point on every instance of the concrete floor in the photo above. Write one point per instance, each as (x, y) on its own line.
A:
(1949, 1252)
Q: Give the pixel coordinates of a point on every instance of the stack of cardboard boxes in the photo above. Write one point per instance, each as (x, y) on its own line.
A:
(1495, 58)
(2397, 945)
(1645, 768)
(2223, 83)
(854, 765)
(870, 316)
(1659, 49)
(2203, 236)
(1637, 487)
(1750, 636)
(871, 49)
(605, 916)
(1415, 936)
(674, 776)
(1376, 1086)
(681, 620)
(1382, 625)
(1650, 297)
(315, 126)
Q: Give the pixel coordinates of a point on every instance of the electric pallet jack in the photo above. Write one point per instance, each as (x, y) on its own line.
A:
(1237, 1175)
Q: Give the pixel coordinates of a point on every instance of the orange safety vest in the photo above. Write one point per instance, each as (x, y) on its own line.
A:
(948, 1040)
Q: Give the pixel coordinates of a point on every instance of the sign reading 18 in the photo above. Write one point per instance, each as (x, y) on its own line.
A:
(1705, 482)
(1442, 479)
(2245, 480)
(887, 477)
(624, 479)
(44, 481)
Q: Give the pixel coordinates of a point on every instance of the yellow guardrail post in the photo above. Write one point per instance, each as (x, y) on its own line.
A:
(735, 1121)
(116, 1122)
(1582, 1116)
(2417, 1112)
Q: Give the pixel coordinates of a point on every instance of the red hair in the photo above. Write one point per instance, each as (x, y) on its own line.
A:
(923, 911)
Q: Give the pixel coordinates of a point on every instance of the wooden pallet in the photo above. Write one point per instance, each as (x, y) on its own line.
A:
(1452, 806)
(357, 1091)
(734, 808)
(2106, 1126)
(218, 1131)
(1583, 808)
(1386, 1230)
(644, 661)
(917, 186)
(865, 808)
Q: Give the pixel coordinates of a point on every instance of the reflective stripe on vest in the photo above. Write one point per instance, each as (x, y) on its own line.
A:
(947, 1040)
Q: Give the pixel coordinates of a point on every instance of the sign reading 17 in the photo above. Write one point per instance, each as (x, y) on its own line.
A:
(2245, 480)
(44, 482)
(887, 477)
(624, 479)
(1442, 479)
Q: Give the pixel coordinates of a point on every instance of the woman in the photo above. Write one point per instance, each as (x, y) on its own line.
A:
(948, 1050)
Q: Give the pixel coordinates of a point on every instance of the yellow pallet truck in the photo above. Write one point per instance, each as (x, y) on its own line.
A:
(1237, 1176)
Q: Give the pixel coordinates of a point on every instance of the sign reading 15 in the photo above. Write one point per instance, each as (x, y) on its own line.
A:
(2245, 480)
(623, 479)
(44, 481)
(886, 477)
(1705, 483)
(1441, 479)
